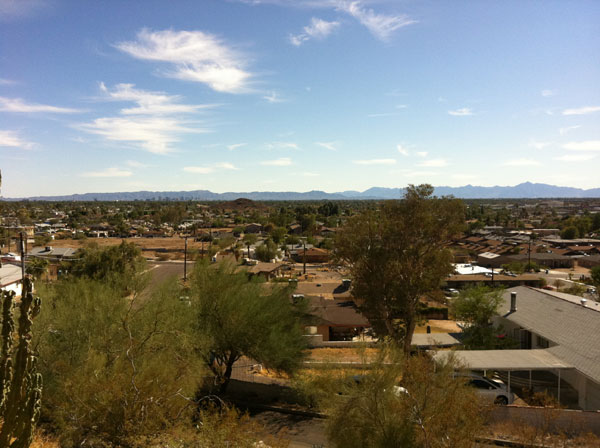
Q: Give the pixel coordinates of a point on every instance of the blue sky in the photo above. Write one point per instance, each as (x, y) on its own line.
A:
(278, 95)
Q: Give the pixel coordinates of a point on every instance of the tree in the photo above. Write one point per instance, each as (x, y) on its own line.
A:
(569, 233)
(249, 240)
(239, 317)
(115, 367)
(120, 265)
(396, 254)
(401, 403)
(266, 251)
(476, 306)
(37, 267)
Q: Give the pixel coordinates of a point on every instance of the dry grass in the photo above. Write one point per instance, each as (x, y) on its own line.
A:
(439, 326)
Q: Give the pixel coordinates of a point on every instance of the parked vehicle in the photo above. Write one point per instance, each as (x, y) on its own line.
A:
(493, 391)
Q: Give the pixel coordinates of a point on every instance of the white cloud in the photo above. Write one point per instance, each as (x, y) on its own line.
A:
(434, 163)
(548, 92)
(539, 145)
(210, 169)
(308, 174)
(401, 106)
(226, 166)
(327, 145)
(109, 172)
(375, 162)
(195, 56)
(564, 131)
(462, 112)
(590, 145)
(273, 97)
(6, 82)
(284, 161)
(382, 114)
(198, 169)
(522, 162)
(235, 146)
(136, 164)
(153, 134)
(18, 105)
(380, 25)
(13, 9)
(149, 103)
(575, 157)
(402, 150)
(154, 125)
(282, 145)
(12, 140)
(318, 29)
(422, 153)
(581, 110)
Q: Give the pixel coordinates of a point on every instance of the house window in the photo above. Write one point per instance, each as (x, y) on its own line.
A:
(542, 342)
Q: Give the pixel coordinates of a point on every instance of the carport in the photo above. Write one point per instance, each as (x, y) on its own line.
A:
(507, 361)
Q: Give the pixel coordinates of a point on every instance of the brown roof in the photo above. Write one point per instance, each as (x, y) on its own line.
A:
(337, 312)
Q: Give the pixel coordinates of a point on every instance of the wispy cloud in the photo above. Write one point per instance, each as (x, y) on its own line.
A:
(380, 25)
(327, 145)
(19, 105)
(318, 29)
(226, 166)
(6, 82)
(282, 145)
(402, 150)
(548, 92)
(154, 125)
(195, 56)
(15, 9)
(207, 169)
(462, 112)
(422, 153)
(284, 161)
(108, 172)
(381, 114)
(575, 157)
(539, 145)
(13, 140)
(375, 162)
(434, 163)
(522, 162)
(564, 131)
(235, 146)
(135, 164)
(148, 102)
(581, 110)
(273, 97)
(589, 145)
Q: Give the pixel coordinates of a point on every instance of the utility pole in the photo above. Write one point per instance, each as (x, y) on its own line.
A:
(529, 255)
(22, 248)
(185, 260)
(304, 258)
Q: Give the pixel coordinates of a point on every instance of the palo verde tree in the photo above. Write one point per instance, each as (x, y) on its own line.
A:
(238, 317)
(396, 254)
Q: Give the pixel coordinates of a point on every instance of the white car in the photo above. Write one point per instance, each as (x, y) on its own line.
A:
(490, 390)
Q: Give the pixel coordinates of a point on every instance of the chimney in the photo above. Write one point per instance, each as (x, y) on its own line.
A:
(583, 301)
(513, 301)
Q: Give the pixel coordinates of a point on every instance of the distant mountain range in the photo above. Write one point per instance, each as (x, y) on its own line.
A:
(526, 190)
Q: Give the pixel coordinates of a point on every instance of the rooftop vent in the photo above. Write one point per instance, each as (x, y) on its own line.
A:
(583, 301)
(513, 301)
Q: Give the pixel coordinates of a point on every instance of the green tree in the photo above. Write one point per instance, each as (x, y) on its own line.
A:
(569, 233)
(239, 317)
(402, 403)
(396, 254)
(266, 251)
(120, 265)
(595, 275)
(115, 367)
(249, 240)
(477, 306)
(36, 267)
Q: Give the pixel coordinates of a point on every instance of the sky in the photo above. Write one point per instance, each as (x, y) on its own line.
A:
(296, 95)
